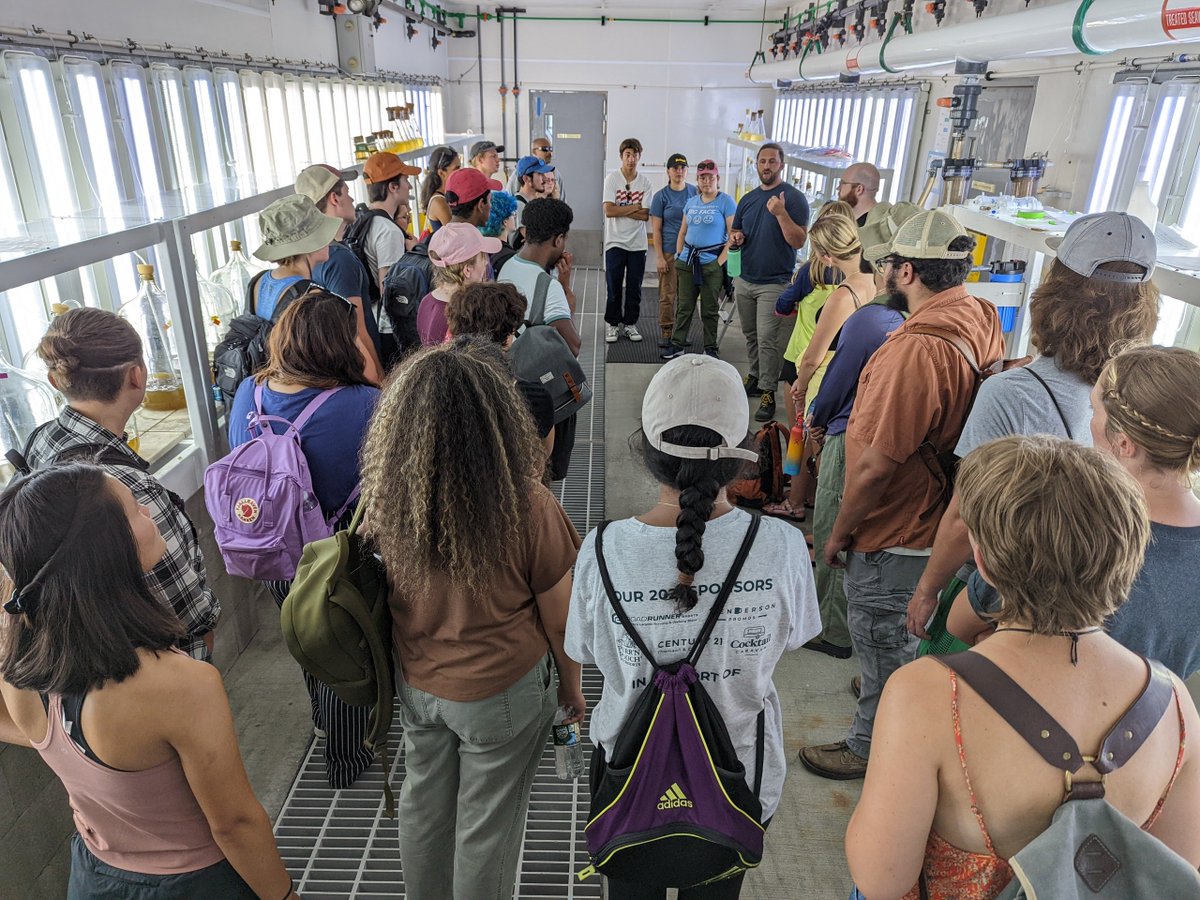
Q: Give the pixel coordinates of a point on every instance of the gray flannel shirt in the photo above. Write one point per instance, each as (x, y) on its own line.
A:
(179, 578)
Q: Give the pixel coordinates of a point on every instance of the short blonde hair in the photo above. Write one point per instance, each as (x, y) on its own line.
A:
(1061, 529)
(1152, 396)
(453, 275)
(831, 235)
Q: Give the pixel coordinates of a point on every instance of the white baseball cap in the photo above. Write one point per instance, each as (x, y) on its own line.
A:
(695, 389)
(1091, 241)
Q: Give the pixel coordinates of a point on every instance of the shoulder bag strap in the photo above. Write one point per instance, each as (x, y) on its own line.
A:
(614, 602)
(313, 405)
(337, 516)
(1053, 400)
(950, 338)
(537, 310)
(1126, 737)
(726, 589)
(759, 749)
(251, 301)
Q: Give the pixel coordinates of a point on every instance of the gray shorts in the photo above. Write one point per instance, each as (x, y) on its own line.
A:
(93, 880)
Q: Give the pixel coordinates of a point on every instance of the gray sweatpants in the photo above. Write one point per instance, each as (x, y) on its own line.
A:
(765, 339)
(469, 770)
(878, 587)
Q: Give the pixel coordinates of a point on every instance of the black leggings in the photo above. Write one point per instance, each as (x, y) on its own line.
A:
(726, 889)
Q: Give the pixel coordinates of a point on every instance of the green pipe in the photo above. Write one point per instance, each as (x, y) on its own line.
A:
(1077, 30)
(887, 40)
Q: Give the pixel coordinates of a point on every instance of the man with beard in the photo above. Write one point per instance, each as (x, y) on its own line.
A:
(913, 398)
(858, 186)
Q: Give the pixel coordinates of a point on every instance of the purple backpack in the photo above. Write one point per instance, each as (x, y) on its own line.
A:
(261, 499)
(672, 808)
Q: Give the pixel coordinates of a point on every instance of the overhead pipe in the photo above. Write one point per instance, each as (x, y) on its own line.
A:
(479, 63)
(1090, 27)
(516, 95)
(503, 87)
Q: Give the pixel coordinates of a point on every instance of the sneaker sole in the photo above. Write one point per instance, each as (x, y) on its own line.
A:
(825, 773)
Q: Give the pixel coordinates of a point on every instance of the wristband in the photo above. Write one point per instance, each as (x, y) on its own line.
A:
(291, 889)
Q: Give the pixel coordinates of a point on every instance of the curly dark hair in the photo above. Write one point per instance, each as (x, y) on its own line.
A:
(941, 274)
(1083, 322)
(545, 219)
(698, 481)
(441, 499)
(488, 309)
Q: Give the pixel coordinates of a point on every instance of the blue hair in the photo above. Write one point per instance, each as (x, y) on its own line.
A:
(504, 205)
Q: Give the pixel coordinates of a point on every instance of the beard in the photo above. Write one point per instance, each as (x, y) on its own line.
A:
(895, 299)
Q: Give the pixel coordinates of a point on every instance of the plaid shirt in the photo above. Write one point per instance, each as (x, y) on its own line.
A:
(179, 577)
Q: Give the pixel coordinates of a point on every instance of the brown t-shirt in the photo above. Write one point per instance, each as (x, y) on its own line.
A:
(917, 388)
(469, 648)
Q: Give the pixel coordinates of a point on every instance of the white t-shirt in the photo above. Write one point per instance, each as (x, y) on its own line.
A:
(624, 232)
(772, 609)
(384, 245)
(524, 275)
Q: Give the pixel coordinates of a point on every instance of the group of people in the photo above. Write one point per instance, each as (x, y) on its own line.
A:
(1064, 543)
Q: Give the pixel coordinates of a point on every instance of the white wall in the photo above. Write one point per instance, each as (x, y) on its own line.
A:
(674, 86)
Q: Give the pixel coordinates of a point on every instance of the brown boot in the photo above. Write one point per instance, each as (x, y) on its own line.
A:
(835, 761)
(856, 685)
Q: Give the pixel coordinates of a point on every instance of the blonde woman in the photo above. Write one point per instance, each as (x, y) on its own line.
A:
(953, 791)
(459, 254)
(834, 248)
(1146, 414)
(478, 555)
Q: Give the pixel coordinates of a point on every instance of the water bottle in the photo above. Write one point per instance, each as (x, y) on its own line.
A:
(795, 450)
(568, 751)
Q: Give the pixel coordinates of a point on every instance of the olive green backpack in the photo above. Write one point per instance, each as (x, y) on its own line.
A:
(338, 626)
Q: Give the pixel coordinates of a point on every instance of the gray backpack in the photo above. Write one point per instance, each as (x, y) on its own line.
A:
(1090, 849)
(541, 355)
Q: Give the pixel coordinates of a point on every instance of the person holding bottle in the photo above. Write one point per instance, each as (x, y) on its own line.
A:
(140, 735)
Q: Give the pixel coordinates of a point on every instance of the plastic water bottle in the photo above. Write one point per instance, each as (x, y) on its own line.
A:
(568, 751)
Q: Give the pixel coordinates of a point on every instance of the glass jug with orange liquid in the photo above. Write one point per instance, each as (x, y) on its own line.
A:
(150, 317)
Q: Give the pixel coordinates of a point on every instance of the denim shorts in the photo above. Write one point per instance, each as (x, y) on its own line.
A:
(93, 880)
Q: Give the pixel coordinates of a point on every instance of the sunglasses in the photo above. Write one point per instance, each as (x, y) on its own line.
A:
(712, 170)
(543, 149)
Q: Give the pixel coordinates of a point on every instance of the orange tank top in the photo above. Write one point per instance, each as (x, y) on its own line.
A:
(147, 822)
(951, 873)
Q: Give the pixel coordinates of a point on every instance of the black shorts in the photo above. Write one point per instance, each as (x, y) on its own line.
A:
(787, 372)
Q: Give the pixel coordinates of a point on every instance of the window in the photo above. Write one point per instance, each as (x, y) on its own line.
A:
(233, 123)
(1117, 147)
(173, 123)
(302, 153)
(277, 121)
(257, 128)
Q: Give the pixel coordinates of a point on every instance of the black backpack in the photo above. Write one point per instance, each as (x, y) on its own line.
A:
(407, 283)
(356, 239)
(540, 354)
(243, 350)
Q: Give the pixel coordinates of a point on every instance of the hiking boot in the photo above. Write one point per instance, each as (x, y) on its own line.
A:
(712, 351)
(611, 333)
(828, 649)
(751, 386)
(766, 407)
(836, 761)
(632, 333)
(672, 351)
(856, 685)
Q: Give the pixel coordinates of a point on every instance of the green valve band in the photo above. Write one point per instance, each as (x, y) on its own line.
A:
(1077, 30)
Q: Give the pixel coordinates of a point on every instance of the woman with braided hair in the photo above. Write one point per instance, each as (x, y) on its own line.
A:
(667, 566)
(1146, 413)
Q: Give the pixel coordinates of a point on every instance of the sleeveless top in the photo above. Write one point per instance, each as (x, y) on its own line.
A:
(146, 822)
(952, 873)
(270, 289)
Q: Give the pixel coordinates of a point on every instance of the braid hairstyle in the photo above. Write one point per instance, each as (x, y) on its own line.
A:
(698, 481)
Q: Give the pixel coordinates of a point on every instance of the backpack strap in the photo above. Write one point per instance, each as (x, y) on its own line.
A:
(726, 589)
(954, 340)
(251, 302)
(537, 309)
(759, 749)
(1042, 732)
(611, 593)
(1053, 400)
(313, 405)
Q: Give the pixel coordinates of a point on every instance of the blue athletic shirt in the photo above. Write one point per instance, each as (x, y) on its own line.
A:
(706, 224)
(330, 441)
(668, 205)
(270, 289)
(345, 276)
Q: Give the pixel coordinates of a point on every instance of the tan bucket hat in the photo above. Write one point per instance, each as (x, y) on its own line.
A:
(293, 226)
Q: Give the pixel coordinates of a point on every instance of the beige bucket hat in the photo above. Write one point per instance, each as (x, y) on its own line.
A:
(293, 226)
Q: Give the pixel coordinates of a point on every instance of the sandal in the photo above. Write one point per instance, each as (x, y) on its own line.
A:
(783, 510)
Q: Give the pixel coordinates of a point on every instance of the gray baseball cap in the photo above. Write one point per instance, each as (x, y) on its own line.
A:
(697, 390)
(1106, 237)
(480, 147)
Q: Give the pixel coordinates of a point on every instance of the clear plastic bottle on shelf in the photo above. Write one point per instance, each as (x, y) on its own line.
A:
(25, 403)
(235, 275)
(219, 310)
(762, 124)
(410, 116)
(150, 316)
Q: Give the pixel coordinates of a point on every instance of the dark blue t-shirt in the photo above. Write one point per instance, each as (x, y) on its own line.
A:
(330, 440)
(345, 276)
(668, 205)
(767, 257)
(863, 334)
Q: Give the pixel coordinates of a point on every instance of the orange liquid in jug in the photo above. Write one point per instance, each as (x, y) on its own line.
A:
(164, 401)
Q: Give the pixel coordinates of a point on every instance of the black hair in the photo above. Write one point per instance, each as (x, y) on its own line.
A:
(865, 266)
(377, 191)
(545, 219)
(86, 609)
(770, 145)
(439, 159)
(698, 482)
(630, 144)
(467, 209)
(942, 274)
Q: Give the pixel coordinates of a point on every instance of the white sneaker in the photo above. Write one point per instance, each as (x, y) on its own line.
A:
(611, 333)
(632, 333)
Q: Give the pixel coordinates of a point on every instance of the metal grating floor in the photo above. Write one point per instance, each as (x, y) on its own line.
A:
(338, 843)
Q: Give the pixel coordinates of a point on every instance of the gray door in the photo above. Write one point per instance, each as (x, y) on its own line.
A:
(574, 121)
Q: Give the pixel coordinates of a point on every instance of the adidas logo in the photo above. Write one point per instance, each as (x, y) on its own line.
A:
(674, 798)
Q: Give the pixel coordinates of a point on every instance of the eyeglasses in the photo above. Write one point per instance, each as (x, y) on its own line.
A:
(546, 149)
(882, 264)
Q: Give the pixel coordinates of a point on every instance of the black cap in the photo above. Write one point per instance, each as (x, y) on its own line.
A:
(483, 147)
(676, 159)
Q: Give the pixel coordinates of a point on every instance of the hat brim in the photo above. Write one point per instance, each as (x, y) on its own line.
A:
(1055, 242)
(322, 236)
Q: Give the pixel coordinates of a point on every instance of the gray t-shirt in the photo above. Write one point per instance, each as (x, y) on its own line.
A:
(1161, 618)
(772, 609)
(1014, 402)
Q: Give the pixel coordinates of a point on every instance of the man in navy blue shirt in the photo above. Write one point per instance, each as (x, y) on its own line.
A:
(770, 224)
(863, 334)
(343, 274)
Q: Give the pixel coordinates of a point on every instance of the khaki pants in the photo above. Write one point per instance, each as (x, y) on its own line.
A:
(831, 592)
(469, 770)
(765, 338)
(666, 298)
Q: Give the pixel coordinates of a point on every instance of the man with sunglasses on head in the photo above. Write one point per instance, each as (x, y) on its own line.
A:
(543, 150)
(858, 186)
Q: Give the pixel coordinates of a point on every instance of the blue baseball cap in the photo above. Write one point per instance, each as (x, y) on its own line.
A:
(528, 165)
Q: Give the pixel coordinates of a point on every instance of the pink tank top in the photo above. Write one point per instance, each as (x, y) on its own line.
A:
(147, 822)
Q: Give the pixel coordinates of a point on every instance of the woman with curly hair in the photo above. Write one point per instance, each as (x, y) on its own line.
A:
(1096, 300)
(478, 555)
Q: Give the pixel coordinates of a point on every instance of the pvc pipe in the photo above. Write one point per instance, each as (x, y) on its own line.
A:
(1090, 27)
